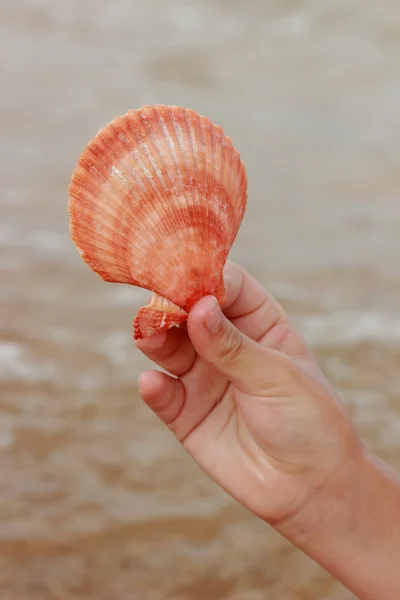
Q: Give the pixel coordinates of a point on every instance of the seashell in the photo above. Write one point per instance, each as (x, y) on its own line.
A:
(156, 200)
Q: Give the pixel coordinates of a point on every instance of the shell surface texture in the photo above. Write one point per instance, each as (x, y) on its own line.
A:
(156, 200)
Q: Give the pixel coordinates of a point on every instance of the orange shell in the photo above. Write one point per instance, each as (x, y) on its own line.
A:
(156, 200)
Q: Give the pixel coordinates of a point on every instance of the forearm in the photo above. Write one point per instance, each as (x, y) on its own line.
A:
(353, 530)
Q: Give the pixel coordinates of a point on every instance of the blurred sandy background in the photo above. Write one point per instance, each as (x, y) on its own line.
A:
(97, 500)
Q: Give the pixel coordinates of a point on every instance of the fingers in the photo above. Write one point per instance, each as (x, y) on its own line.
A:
(181, 410)
(252, 310)
(171, 350)
(244, 293)
(247, 300)
(257, 314)
(251, 367)
(164, 395)
(153, 343)
(250, 307)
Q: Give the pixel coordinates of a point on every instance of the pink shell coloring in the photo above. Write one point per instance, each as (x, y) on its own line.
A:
(156, 200)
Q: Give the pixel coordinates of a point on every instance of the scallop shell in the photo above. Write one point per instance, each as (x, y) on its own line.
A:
(156, 200)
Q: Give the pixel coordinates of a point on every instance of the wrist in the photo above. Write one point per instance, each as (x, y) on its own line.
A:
(351, 527)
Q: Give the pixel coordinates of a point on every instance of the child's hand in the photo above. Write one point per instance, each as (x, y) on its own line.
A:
(249, 402)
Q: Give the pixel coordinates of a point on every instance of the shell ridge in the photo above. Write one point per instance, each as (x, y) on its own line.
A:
(231, 178)
(200, 124)
(164, 158)
(191, 121)
(187, 193)
(153, 163)
(204, 131)
(223, 167)
(103, 240)
(168, 138)
(213, 178)
(109, 137)
(157, 144)
(143, 185)
(96, 148)
(117, 150)
(235, 185)
(167, 204)
(138, 143)
(162, 206)
(87, 224)
(116, 241)
(242, 195)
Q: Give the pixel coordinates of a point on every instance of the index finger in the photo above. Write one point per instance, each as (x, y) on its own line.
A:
(248, 305)
(257, 314)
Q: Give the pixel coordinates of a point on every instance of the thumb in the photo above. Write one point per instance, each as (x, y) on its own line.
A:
(252, 368)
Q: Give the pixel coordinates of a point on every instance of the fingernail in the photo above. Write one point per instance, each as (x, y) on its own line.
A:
(214, 319)
(152, 343)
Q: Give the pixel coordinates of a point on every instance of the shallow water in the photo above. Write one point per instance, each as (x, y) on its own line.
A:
(96, 499)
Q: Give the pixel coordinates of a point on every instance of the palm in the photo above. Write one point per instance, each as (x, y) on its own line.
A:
(254, 447)
(221, 443)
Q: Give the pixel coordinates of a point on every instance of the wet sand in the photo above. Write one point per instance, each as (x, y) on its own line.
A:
(97, 500)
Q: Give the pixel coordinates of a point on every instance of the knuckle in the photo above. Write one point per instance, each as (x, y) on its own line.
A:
(232, 346)
(169, 348)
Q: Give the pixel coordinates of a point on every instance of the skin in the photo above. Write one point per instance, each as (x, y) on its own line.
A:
(247, 400)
